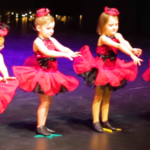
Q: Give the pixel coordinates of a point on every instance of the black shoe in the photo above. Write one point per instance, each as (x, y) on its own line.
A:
(42, 130)
(98, 127)
(50, 130)
(107, 125)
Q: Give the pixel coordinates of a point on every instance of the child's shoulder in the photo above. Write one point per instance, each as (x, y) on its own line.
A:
(36, 43)
(37, 40)
(118, 35)
(101, 38)
(52, 39)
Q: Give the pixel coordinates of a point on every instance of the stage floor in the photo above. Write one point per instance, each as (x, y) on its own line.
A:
(70, 113)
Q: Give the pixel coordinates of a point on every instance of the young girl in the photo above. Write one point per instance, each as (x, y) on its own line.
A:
(8, 85)
(40, 74)
(146, 74)
(106, 71)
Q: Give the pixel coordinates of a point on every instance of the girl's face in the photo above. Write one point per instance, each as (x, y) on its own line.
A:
(112, 26)
(46, 30)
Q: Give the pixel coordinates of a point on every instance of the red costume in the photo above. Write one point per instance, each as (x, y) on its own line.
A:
(40, 74)
(106, 69)
(7, 90)
(146, 74)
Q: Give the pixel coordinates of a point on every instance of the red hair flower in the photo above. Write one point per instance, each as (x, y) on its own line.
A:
(111, 11)
(42, 12)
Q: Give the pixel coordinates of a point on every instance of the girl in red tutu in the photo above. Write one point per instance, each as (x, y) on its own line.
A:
(8, 85)
(106, 71)
(146, 74)
(40, 74)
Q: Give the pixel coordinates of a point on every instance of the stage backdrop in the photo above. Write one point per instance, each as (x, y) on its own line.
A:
(134, 17)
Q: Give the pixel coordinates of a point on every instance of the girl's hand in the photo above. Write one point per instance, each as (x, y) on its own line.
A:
(137, 61)
(1, 47)
(137, 51)
(69, 56)
(77, 54)
(8, 78)
(72, 55)
(1, 79)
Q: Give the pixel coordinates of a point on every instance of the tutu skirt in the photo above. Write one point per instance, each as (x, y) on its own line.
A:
(46, 80)
(146, 74)
(7, 91)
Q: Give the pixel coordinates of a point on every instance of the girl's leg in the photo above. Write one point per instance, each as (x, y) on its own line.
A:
(47, 109)
(96, 109)
(42, 112)
(105, 104)
(96, 104)
(105, 109)
(42, 109)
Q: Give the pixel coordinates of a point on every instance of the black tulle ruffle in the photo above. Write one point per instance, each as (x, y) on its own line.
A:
(39, 90)
(112, 88)
(44, 61)
(111, 55)
(89, 76)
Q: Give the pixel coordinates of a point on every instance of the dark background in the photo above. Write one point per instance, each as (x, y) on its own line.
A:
(134, 17)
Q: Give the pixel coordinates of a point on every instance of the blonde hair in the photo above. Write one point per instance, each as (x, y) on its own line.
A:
(102, 21)
(43, 20)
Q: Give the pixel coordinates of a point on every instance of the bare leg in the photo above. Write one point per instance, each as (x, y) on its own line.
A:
(105, 109)
(105, 104)
(96, 104)
(42, 110)
(47, 109)
(46, 114)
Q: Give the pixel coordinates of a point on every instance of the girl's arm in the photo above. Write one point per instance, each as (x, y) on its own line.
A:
(107, 41)
(136, 51)
(64, 49)
(1, 47)
(4, 71)
(60, 47)
(39, 45)
(3, 68)
(1, 79)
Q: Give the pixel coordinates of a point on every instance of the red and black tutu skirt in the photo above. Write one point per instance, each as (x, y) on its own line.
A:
(7, 92)
(104, 71)
(41, 75)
